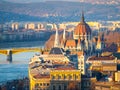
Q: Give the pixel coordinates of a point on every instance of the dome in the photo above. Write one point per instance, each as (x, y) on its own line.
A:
(82, 28)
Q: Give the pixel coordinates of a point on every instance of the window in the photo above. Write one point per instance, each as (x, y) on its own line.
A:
(36, 89)
(36, 85)
(76, 76)
(54, 88)
(65, 87)
(53, 77)
(44, 84)
(85, 84)
(70, 77)
(59, 77)
(47, 84)
(40, 84)
(65, 77)
(59, 87)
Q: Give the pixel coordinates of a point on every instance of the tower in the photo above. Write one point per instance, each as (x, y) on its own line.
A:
(64, 35)
(56, 42)
(98, 46)
(63, 41)
(81, 62)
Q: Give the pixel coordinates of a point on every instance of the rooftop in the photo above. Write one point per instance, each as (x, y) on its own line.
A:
(39, 76)
(65, 68)
(56, 50)
(102, 58)
(71, 43)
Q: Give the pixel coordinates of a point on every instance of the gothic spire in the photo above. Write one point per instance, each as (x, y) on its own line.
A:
(56, 42)
(82, 17)
(64, 34)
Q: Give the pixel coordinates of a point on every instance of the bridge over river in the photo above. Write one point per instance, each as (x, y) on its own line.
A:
(10, 52)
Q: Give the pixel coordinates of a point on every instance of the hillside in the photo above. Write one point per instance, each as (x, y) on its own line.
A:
(53, 11)
(87, 1)
(102, 1)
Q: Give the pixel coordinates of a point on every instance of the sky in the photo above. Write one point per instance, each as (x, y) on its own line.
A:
(29, 1)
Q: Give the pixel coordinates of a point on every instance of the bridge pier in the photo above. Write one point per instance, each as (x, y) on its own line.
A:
(9, 55)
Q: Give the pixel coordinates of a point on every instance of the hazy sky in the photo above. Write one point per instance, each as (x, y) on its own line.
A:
(27, 1)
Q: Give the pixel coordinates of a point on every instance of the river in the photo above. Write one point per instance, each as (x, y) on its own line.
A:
(19, 67)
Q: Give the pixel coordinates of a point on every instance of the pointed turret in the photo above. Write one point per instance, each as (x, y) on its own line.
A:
(56, 42)
(98, 46)
(64, 35)
(79, 44)
(82, 17)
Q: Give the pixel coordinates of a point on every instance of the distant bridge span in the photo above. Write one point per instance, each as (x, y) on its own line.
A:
(9, 52)
(19, 50)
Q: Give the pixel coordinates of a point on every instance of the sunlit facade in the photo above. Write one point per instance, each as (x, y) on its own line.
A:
(53, 71)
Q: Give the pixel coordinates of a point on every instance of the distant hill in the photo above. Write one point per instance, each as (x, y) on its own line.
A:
(102, 1)
(87, 1)
(53, 11)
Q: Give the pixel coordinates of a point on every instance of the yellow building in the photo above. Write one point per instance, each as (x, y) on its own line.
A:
(102, 63)
(30, 26)
(15, 26)
(53, 71)
(107, 86)
(57, 80)
(40, 26)
(61, 79)
(117, 76)
(39, 83)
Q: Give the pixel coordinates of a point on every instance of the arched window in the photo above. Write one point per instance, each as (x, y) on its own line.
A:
(65, 87)
(36, 85)
(59, 87)
(53, 77)
(59, 77)
(70, 77)
(54, 88)
(65, 77)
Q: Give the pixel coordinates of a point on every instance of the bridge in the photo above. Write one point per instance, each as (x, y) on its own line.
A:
(10, 52)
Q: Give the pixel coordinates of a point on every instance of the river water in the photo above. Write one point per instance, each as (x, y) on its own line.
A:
(19, 67)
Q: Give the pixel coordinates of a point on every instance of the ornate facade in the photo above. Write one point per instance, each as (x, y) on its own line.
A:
(53, 71)
(81, 40)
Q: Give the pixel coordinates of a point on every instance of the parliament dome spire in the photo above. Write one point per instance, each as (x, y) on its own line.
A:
(82, 17)
(82, 29)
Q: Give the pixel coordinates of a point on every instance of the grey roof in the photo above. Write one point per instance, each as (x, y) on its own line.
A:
(56, 50)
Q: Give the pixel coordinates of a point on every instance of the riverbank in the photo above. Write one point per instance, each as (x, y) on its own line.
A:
(9, 45)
